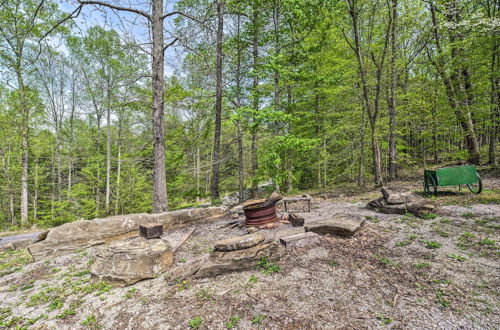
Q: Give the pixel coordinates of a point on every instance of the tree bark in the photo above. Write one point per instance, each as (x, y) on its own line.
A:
(256, 99)
(392, 95)
(241, 164)
(157, 72)
(108, 149)
(218, 101)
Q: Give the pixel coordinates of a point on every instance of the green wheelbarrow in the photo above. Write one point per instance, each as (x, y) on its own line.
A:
(452, 176)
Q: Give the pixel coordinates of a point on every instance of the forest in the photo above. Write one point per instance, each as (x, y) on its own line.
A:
(115, 107)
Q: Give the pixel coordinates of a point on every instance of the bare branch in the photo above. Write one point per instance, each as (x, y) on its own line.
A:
(104, 4)
(170, 44)
(172, 13)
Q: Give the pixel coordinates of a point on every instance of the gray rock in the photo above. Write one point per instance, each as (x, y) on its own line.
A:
(393, 209)
(338, 224)
(239, 242)
(300, 240)
(421, 208)
(81, 234)
(185, 270)
(377, 204)
(128, 261)
(224, 262)
(396, 196)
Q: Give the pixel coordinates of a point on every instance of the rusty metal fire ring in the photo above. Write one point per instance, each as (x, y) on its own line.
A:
(259, 215)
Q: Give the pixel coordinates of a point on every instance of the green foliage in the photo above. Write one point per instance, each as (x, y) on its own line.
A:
(233, 322)
(268, 267)
(432, 244)
(196, 322)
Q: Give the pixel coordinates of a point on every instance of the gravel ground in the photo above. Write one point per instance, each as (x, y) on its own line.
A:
(399, 272)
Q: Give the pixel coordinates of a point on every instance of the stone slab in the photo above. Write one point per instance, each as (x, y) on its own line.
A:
(239, 242)
(300, 240)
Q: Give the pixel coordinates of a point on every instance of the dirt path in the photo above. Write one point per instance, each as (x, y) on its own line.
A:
(399, 272)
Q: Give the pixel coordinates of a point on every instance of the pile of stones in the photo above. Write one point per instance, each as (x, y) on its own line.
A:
(401, 201)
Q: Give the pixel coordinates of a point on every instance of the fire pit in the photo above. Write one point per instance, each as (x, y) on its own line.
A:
(258, 214)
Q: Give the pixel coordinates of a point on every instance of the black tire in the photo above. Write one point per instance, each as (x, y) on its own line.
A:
(430, 186)
(478, 187)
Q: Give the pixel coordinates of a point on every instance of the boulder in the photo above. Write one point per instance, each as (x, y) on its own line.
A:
(128, 261)
(396, 196)
(339, 224)
(224, 262)
(393, 209)
(300, 240)
(295, 220)
(239, 242)
(82, 234)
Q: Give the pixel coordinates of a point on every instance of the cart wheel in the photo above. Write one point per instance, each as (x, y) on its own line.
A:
(430, 186)
(477, 187)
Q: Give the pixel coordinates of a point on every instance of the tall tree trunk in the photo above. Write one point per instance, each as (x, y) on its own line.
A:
(454, 85)
(157, 71)
(35, 193)
(392, 95)
(8, 178)
(256, 98)
(108, 150)
(24, 146)
(241, 178)
(218, 101)
(495, 106)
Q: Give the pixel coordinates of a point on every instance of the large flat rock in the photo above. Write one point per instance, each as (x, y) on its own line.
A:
(128, 261)
(338, 224)
(239, 242)
(224, 262)
(300, 240)
(81, 234)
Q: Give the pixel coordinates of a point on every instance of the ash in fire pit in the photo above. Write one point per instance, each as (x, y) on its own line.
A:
(262, 213)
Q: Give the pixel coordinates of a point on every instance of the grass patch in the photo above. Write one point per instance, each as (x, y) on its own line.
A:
(388, 262)
(130, 293)
(429, 216)
(268, 267)
(441, 299)
(257, 319)
(204, 294)
(457, 257)
(487, 242)
(422, 265)
(12, 261)
(233, 322)
(196, 322)
(432, 245)
(333, 263)
(468, 215)
(383, 320)
(252, 279)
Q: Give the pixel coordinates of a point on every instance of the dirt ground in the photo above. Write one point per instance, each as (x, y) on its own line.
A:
(441, 272)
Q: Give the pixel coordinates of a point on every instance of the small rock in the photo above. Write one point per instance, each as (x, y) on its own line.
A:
(295, 220)
(235, 215)
(300, 240)
(238, 243)
(397, 195)
(151, 230)
(339, 224)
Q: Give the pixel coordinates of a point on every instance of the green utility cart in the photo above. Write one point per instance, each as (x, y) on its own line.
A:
(452, 176)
